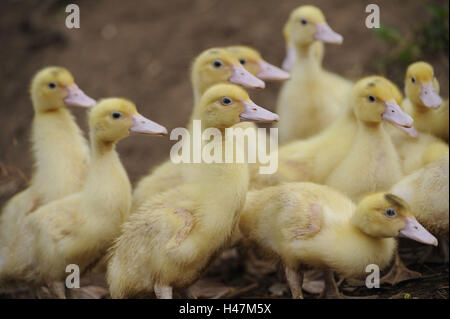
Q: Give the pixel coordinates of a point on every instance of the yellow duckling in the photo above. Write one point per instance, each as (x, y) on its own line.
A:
(204, 74)
(312, 99)
(297, 223)
(426, 191)
(256, 65)
(372, 164)
(177, 233)
(315, 158)
(423, 102)
(79, 228)
(415, 150)
(59, 150)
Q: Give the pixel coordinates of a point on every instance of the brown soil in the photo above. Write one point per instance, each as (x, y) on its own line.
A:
(142, 50)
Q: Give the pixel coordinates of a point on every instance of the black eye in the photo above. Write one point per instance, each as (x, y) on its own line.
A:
(371, 98)
(390, 212)
(413, 80)
(51, 85)
(226, 101)
(303, 21)
(116, 115)
(243, 61)
(217, 63)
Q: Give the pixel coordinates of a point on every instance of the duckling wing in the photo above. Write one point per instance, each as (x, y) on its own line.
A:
(38, 247)
(58, 231)
(57, 219)
(14, 211)
(296, 225)
(183, 222)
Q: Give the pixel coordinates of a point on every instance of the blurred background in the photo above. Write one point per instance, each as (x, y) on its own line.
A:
(142, 50)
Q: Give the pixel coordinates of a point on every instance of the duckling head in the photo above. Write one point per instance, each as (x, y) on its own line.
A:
(219, 65)
(252, 60)
(374, 99)
(386, 215)
(291, 55)
(54, 87)
(421, 86)
(224, 105)
(411, 131)
(113, 119)
(307, 24)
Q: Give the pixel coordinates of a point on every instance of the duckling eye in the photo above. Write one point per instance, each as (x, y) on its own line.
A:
(52, 85)
(390, 212)
(226, 101)
(371, 98)
(116, 115)
(242, 61)
(303, 21)
(217, 63)
(413, 80)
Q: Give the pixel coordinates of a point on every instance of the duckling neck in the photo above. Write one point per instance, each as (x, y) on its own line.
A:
(359, 250)
(60, 153)
(100, 148)
(107, 183)
(306, 60)
(372, 134)
(419, 108)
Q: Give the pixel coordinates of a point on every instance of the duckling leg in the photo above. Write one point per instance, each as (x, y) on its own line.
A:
(295, 281)
(331, 289)
(399, 272)
(163, 292)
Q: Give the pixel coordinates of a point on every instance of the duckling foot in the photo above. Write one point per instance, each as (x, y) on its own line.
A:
(398, 273)
(295, 280)
(163, 292)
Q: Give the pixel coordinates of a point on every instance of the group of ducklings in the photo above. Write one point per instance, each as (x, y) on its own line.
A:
(347, 185)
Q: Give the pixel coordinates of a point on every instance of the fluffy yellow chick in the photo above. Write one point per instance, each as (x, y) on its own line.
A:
(315, 158)
(313, 98)
(423, 101)
(415, 150)
(60, 152)
(427, 193)
(173, 237)
(372, 164)
(204, 74)
(297, 223)
(79, 228)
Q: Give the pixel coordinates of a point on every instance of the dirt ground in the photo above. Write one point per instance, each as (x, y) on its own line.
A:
(142, 50)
